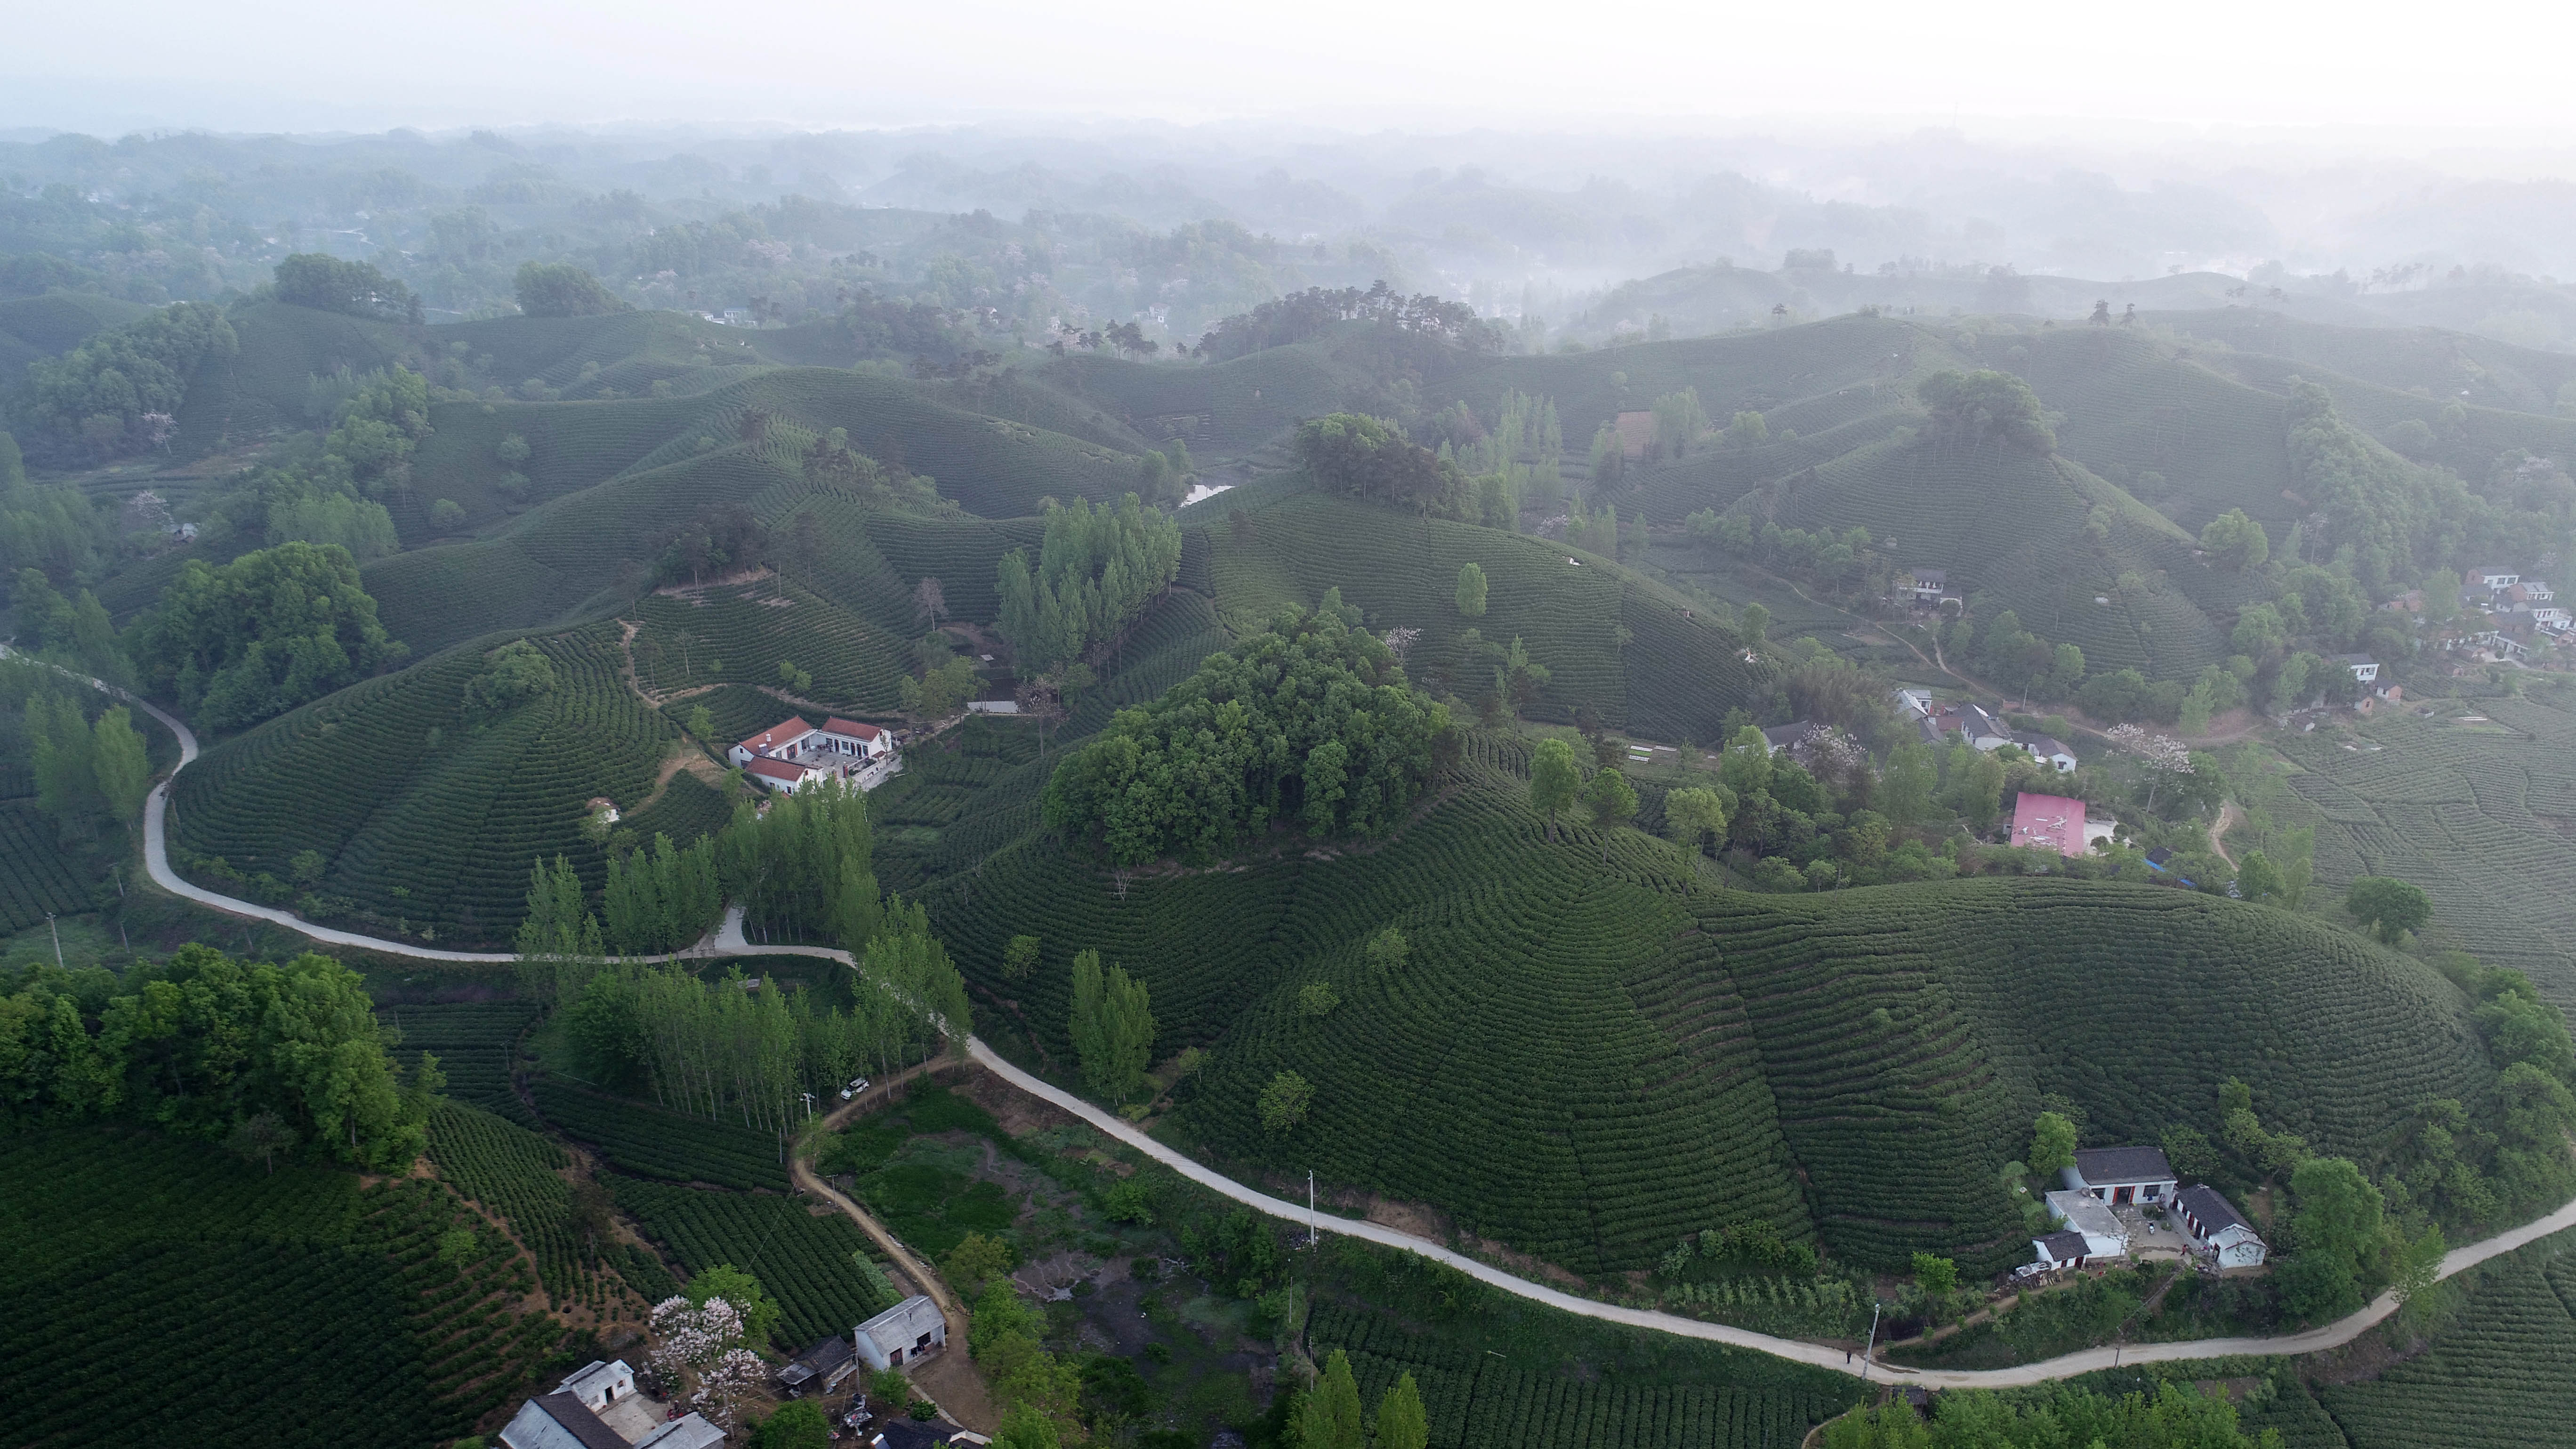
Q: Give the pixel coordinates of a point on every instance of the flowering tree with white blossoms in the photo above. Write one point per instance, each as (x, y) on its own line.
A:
(2163, 755)
(722, 1384)
(704, 1344)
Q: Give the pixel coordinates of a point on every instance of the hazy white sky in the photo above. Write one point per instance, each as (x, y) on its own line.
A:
(2400, 72)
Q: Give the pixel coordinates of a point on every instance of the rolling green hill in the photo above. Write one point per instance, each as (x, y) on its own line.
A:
(586, 546)
(424, 820)
(1595, 1059)
(2467, 447)
(1225, 410)
(41, 326)
(2470, 812)
(2011, 523)
(1854, 358)
(263, 388)
(2478, 370)
(1678, 676)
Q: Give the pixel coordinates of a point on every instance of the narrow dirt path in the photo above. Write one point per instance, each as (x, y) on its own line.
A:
(949, 1377)
(2228, 817)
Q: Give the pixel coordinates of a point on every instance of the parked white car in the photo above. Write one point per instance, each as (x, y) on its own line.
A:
(856, 1086)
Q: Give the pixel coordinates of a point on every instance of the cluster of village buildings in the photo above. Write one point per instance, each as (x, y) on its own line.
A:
(2102, 1215)
(602, 1407)
(2502, 615)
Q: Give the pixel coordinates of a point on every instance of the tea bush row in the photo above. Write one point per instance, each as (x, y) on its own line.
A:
(451, 814)
(803, 1260)
(36, 877)
(643, 1138)
(350, 1316)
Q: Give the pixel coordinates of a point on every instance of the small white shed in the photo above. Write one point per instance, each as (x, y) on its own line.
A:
(902, 1333)
(599, 1385)
(2216, 1226)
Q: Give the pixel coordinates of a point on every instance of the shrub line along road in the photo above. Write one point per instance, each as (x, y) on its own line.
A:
(728, 941)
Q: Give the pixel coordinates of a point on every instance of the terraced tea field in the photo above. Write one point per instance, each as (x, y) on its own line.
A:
(740, 633)
(450, 817)
(1596, 1060)
(131, 1259)
(2501, 1373)
(2474, 814)
(1939, 505)
(561, 555)
(474, 1042)
(36, 875)
(515, 1174)
(1907, 1033)
(642, 1138)
(1403, 571)
(806, 1262)
(1475, 1399)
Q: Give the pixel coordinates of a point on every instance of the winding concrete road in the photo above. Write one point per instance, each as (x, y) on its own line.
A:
(728, 940)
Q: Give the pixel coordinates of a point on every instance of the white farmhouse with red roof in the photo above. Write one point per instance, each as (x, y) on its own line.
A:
(788, 756)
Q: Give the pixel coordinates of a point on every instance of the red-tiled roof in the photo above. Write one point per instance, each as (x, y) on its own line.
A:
(855, 730)
(778, 769)
(2051, 820)
(776, 736)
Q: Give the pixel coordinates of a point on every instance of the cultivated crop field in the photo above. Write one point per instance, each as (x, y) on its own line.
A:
(1907, 1033)
(806, 1262)
(2044, 567)
(516, 1174)
(452, 815)
(36, 876)
(131, 1260)
(564, 553)
(1403, 571)
(1597, 1060)
(473, 1041)
(2469, 814)
(641, 1137)
(1556, 1050)
(741, 633)
(2501, 1373)
(1476, 1399)
(689, 808)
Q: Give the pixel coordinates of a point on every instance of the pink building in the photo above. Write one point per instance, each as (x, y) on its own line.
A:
(2057, 822)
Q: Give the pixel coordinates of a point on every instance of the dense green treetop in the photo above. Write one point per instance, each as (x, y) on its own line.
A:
(2236, 541)
(1985, 406)
(118, 392)
(511, 676)
(52, 529)
(1314, 311)
(1097, 569)
(1371, 457)
(203, 1043)
(262, 634)
(560, 289)
(328, 284)
(1312, 721)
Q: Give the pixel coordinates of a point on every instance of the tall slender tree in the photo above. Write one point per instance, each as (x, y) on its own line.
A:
(1555, 780)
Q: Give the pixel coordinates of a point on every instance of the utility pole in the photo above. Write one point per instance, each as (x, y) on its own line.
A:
(1872, 1351)
(1310, 1207)
(58, 939)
